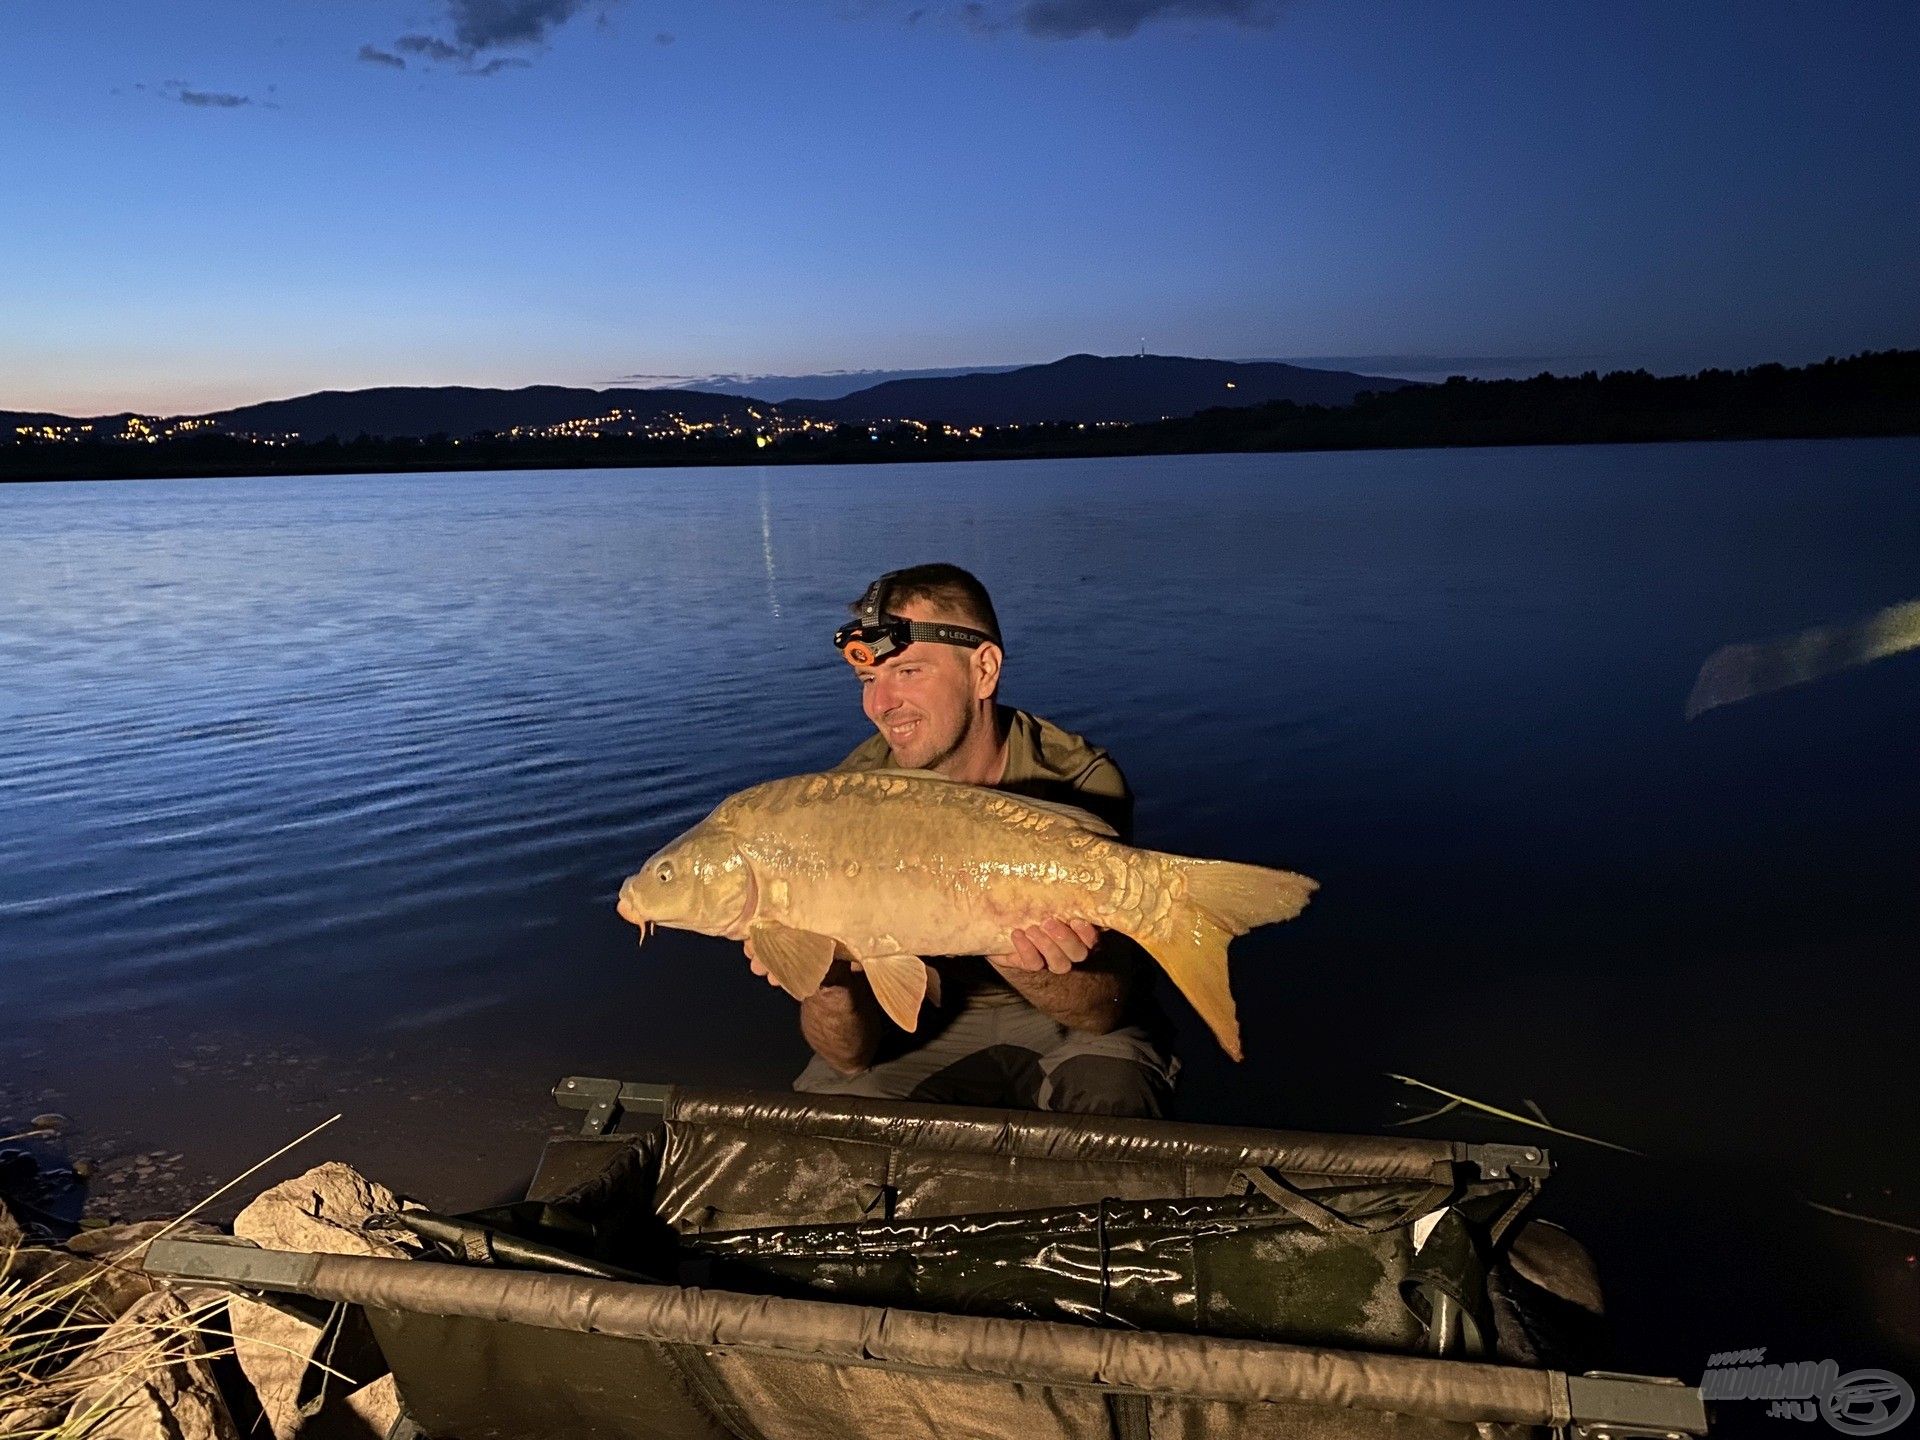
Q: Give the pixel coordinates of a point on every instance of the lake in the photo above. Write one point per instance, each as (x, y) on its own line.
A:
(315, 794)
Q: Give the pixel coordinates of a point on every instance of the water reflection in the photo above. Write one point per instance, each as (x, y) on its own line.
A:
(1740, 672)
(766, 544)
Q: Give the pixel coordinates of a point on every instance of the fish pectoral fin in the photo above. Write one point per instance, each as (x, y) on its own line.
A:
(900, 984)
(798, 959)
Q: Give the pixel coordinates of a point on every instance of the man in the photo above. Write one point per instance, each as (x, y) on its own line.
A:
(1062, 1021)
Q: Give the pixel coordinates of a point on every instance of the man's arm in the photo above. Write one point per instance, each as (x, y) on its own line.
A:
(1062, 970)
(842, 1020)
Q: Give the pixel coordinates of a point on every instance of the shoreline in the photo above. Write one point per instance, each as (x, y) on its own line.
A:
(764, 458)
(1872, 395)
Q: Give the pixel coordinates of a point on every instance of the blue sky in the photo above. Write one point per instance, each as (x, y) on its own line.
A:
(219, 201)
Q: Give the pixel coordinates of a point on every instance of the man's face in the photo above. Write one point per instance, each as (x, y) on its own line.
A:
(923, 698)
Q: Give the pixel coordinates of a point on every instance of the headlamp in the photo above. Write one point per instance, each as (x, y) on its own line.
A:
(874, 635)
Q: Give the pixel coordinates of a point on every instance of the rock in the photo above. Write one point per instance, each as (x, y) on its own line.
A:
(10, 1232)
(147, 1378)
(324, 1210)
(112, 1242)
(34, 1422)
(82, 1169)
(377, 1405)
(1545, 1255)
(111, 1289)
(53, 1120)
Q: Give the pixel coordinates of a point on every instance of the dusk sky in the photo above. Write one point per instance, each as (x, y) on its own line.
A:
(220, 201)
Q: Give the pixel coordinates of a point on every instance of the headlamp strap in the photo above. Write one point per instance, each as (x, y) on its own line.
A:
(941, 634)
(873, 604)
(874, 619)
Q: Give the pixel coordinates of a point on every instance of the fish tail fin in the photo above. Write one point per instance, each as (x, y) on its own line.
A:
(1223, 900)
(1242, 897)
(1194, 954)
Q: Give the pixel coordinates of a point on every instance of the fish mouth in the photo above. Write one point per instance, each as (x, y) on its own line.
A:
(630, 912)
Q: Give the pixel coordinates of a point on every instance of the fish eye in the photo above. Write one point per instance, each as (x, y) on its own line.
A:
(663, 872)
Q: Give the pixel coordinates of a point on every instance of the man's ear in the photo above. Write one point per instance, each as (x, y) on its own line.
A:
(986, 671)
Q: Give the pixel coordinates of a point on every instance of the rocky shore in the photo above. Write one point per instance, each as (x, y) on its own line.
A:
(90, 1345)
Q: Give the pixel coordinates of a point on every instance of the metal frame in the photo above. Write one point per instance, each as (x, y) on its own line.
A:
(606, 1100)
(1601, 1405)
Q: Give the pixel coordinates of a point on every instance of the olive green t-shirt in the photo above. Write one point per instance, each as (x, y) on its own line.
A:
(1044, 762)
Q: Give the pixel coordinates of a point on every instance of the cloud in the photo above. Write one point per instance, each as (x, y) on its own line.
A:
(487, 24)
(477, 26)
(664, 37)
(977, 18)
(1114, 19)
(429, 47)
(184, 92)
(1422, 366)
(822, 385)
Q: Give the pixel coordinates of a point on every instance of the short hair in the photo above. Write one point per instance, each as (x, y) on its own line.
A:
(954, 590)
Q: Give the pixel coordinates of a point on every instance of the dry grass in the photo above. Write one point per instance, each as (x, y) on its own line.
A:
(61, 1376)
(53, 1313)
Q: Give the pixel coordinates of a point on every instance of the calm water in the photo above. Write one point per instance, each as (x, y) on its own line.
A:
(314, 795)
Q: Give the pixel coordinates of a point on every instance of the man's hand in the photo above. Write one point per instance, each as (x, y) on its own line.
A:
(1055, 945)
(841, 1022)
(755, 964)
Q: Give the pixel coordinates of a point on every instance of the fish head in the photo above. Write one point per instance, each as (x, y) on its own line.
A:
(700, 882)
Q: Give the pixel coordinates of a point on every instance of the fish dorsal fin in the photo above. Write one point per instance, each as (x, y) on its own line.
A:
(798, 959)
(899, 984)
(1084, 819)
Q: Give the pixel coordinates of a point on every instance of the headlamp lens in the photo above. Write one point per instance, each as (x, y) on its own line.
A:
(864, 644)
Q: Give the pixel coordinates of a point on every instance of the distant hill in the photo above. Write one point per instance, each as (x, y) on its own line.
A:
(12, 420)
(1870, 394)
(1090, 388)
(1079, 388)
(416, 411)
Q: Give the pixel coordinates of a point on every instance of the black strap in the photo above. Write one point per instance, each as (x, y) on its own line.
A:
(944, 634)
(1329, 1221)
(1129, 1417)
